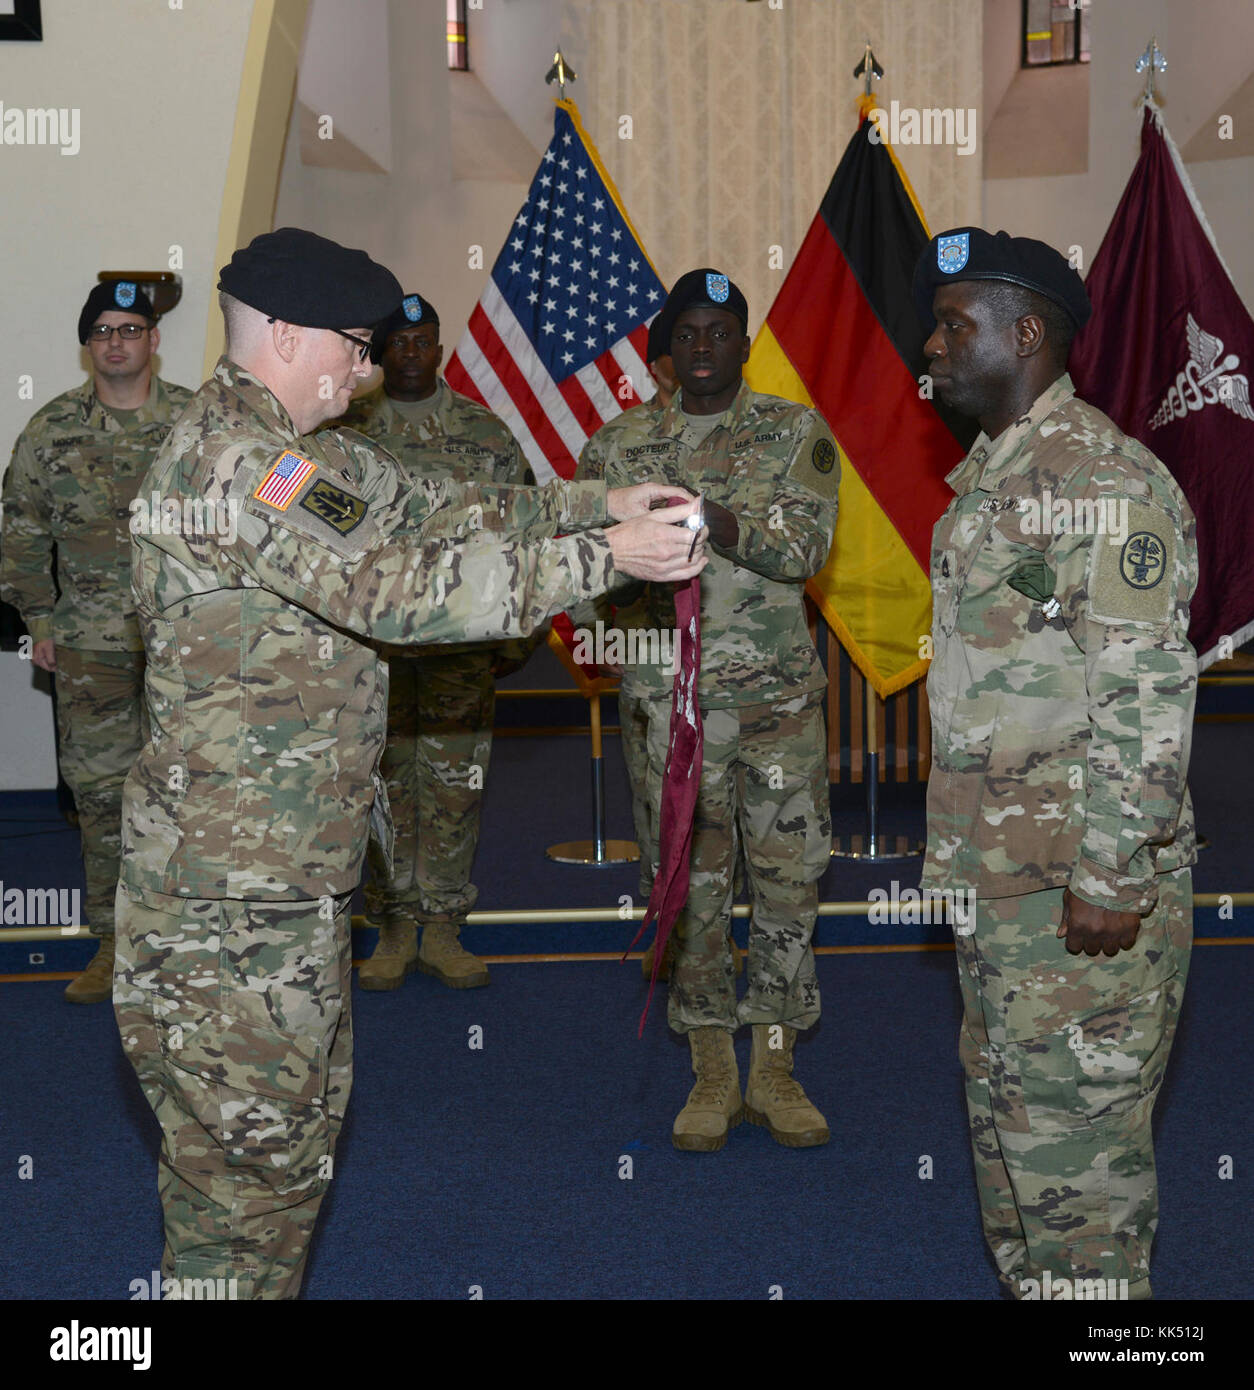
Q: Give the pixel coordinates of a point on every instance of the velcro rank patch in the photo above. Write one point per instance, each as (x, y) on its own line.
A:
(1135, 580)
(339, 509)
(818, 468)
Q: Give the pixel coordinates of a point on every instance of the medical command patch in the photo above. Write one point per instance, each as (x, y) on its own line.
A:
(1134, 580)
(284, 480)
(817, 469)
(339, 509)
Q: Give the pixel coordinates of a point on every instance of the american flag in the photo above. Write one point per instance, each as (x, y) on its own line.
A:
(284, 480)
(556, 344)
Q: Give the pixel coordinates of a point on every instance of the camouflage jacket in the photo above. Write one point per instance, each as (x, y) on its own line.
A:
(1061, 743)
(628, 610)
(773, 464)
(459, 440)
(267, 707)
(74, 472)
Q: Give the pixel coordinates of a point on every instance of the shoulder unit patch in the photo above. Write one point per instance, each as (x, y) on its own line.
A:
(1134, 580)
(339, 509)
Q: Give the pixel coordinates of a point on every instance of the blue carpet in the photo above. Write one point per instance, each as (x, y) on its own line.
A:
(38, 849)
(501, 1167)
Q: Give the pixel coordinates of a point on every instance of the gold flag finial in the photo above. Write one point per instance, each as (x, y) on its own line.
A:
(561, 72)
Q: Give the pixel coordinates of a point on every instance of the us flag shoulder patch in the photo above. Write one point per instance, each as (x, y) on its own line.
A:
(284, 480)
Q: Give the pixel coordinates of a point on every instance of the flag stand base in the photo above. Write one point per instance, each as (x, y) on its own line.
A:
(598, 852)
(874, 848)
(585, 852)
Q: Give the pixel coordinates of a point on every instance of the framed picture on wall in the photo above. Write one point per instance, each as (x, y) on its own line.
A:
(20, 19)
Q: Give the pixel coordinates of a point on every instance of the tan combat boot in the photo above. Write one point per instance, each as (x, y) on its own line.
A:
(394, 957)
(773, 1098)
(95, 984)
(443, 956)
(714, 1105)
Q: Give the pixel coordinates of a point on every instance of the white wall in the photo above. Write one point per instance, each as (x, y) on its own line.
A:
(156, 89)
(1209, 46)
(327, 85)
(421, 219)
(1003, 32)
(512, 43)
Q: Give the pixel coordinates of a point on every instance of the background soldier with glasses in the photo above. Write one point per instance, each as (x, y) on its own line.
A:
(65, 565)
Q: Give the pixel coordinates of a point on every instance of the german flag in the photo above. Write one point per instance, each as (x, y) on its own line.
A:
(843, 336)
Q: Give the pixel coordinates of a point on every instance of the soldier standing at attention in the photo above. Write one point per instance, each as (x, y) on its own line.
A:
(246, 815)
(1062, 691)
(633, 612)
(441, 700)
(768, 471)
(76, 468)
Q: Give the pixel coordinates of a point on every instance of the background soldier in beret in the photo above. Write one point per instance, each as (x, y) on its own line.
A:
(76, 468)
(768, 471)
(441, 700)
(246, 815)
(1062, 692)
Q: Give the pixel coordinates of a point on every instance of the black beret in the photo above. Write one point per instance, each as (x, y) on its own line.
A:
(694, 289)
(303, 278)
(414, 311)
(971, 253)
(656, 347)
(125, 296)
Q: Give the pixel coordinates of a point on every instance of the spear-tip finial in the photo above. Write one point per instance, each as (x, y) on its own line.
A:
(868, 69)
(1151, 61)
(561, 72)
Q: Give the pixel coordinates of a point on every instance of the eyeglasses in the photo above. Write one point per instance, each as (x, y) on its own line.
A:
(363, 344)
(102, 332)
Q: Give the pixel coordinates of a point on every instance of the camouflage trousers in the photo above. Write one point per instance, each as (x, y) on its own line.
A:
(102, 724)
(235, 1016)
(633, 719)
(1064, 1056)
(763, 796)
(439, 739)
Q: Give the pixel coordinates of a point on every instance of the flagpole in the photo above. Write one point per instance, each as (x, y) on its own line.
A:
(872, 848)
(598, 852)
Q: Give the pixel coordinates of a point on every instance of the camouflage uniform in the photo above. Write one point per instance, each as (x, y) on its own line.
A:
(631, 613)
(75, 470)
(1060, 748)
(774, 465)
(246, 815)
(441, 701)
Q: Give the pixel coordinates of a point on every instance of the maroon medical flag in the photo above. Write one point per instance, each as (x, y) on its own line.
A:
(1166, 355)
(680, 785)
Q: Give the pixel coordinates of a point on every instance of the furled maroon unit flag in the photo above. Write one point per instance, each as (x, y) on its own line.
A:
(681, 784)
(1166, 355)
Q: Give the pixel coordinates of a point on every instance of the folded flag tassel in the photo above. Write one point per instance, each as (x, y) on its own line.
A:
(680, 784)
